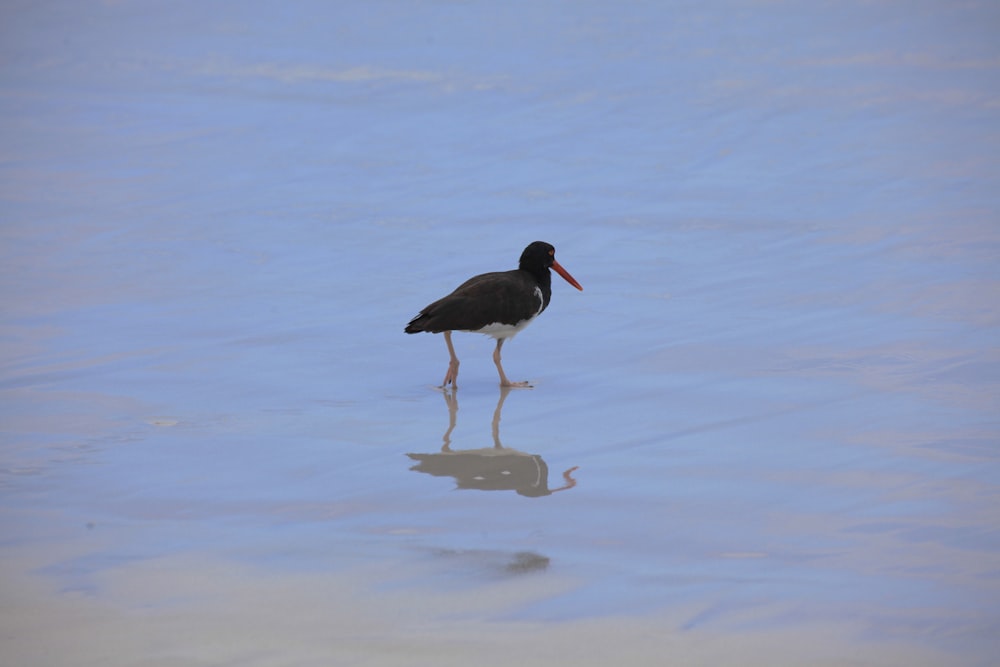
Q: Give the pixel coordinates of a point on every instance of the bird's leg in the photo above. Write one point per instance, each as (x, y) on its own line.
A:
(452, 375)
(504, 382)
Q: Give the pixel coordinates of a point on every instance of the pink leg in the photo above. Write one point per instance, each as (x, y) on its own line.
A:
(504, 382)
(452, 375)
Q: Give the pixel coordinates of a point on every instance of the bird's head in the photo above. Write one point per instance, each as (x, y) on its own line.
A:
(540, 256)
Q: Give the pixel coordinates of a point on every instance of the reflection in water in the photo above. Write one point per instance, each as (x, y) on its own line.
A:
(495, 562)
(495, 468)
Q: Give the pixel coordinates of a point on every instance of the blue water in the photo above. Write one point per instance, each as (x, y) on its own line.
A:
(776, 398)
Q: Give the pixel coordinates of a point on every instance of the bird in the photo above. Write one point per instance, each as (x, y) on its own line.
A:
(498, 304)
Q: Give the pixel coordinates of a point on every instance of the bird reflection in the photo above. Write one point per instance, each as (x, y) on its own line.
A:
(495, 468)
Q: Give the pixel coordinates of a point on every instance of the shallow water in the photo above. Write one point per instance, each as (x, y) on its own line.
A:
(766, 432)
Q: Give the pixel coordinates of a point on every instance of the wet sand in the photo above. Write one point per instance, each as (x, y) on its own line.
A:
(765, 433)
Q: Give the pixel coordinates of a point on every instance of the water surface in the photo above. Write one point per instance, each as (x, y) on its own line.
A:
(765, 433)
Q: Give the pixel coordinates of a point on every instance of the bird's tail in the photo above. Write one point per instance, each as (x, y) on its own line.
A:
(416, 325)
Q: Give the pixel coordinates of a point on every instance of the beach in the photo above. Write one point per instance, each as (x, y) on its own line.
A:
(765, 433)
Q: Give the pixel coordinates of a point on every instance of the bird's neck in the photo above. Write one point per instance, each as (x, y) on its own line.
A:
(544, 279)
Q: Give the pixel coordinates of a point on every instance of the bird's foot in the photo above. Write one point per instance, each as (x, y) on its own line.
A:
(451, 377)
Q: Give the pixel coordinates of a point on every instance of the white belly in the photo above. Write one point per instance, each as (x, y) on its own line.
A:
(499, 330)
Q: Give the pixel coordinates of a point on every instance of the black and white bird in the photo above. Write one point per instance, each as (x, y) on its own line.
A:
(498, 304)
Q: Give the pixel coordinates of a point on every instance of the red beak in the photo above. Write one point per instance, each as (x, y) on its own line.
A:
(565, 274)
